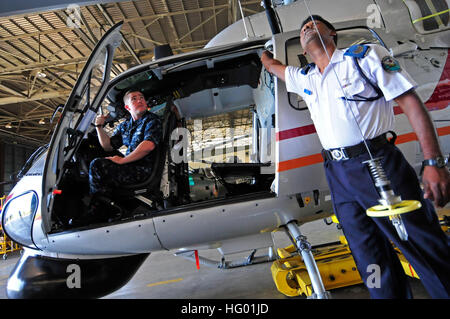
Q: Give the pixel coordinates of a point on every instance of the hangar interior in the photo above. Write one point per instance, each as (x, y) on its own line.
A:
(41, 56)
(43, 52)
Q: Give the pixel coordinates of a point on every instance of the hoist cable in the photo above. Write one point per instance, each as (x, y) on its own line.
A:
(338, 80)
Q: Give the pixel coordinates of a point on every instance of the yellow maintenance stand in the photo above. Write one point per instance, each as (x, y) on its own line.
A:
(6, 244)
(334, 261)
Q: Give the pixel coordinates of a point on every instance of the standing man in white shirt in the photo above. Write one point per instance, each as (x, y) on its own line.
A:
(337, 95)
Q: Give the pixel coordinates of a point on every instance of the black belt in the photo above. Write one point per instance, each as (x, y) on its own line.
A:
(345, 153)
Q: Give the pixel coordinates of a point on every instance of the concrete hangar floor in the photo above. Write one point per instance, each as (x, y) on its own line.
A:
(165, 276)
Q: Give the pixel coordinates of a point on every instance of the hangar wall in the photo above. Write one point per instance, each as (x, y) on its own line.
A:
(12, 157)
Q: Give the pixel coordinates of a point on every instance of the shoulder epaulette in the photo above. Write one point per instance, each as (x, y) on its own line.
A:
(357, 51)
(308, 67)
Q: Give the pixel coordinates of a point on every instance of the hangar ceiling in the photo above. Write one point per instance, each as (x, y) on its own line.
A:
(41, 54)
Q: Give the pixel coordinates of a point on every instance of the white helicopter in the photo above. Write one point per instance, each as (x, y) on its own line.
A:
(251, 200)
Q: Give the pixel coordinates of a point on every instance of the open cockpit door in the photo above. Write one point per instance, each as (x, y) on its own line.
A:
(78, 113)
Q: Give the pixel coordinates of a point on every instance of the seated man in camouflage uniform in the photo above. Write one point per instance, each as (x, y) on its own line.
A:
(141, 134)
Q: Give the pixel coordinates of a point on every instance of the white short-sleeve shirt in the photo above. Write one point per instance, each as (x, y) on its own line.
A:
(332, 116)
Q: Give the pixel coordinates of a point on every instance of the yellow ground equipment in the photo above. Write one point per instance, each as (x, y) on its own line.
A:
(6, 244)
(335, 263)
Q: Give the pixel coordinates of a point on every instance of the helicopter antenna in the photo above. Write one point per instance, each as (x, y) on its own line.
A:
(243, 20)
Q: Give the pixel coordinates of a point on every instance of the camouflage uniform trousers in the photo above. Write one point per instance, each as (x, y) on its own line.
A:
(105, 175)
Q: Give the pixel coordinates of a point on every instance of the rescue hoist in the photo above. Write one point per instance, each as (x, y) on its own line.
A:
(391, 205)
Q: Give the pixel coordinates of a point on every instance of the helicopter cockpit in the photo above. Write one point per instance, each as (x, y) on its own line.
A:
(184, 95)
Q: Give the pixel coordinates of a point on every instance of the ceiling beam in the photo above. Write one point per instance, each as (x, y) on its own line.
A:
(20, 7)
(29, 140)
(11, 91)
(124, 41)
(145, 39)
(202, 23)
(146, 17)
(35, 117)
(40, 96)
(196, 10)
(170, 20)
(82, 60)
(159, 24)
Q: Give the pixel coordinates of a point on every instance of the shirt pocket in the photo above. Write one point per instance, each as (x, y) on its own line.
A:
(356, 87)
(311, 103)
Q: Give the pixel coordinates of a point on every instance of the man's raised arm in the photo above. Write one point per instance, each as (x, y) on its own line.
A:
(274, 67)
(103, 138)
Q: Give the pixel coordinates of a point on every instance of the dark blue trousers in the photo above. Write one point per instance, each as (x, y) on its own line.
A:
(427, 248)
(105, 175)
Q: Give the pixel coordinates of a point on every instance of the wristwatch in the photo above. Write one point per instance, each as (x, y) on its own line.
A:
(439, 162)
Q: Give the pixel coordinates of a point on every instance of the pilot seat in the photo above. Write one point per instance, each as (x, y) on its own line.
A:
(149, 191)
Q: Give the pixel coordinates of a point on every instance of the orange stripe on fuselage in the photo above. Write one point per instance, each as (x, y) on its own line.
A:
(317, 158)
(441, 131)
(299, 162)
(405, 138)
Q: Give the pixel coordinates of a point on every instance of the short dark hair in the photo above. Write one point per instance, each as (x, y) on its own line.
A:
(130, 90)
(316, 17)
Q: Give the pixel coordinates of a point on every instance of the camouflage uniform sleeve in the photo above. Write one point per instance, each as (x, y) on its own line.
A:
(116, 138)
(153, 131)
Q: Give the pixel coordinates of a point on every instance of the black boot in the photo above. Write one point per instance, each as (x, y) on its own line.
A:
(101, 209)
(93, 213)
